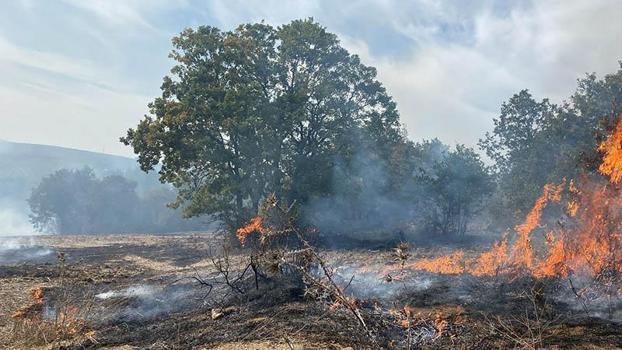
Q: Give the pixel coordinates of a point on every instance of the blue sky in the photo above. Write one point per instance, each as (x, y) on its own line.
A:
(77, 73)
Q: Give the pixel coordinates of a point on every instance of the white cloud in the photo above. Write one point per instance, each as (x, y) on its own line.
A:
(54, 63)
(124, 13)
(54, 99)
(448, 64)
(452, 90)
(92, 119)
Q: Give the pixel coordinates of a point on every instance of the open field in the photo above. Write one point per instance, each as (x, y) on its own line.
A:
(140, 291)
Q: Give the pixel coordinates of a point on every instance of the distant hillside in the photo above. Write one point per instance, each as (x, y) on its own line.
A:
(23, 165)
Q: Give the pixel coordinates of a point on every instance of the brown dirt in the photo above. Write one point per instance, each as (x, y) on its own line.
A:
(275, 317)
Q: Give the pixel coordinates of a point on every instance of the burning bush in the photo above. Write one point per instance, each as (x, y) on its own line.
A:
(584, 243)
(284, 249)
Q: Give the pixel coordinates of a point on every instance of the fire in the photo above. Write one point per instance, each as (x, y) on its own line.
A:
(522, 253)
(37, 295)
(593, 244)
(555, 263)
(612, 155)
(447, 264)
(68, 321)
(589, 241)
(586, 240)
(403, 317)
(32, 311)
(255, 225)
(500, 257)
(489, 262)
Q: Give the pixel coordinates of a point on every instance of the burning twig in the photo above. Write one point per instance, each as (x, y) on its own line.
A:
(278, 225)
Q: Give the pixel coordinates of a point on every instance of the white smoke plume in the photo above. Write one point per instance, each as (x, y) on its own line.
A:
(14, 222)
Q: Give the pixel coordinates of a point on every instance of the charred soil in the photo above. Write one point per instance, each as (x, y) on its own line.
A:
(142, 291)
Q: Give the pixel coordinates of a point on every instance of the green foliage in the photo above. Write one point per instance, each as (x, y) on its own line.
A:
(76, 201)
(456, 185)
(260, 110)
(534, 143)
(520, 145)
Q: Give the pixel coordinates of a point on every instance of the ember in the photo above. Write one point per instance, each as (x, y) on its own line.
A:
(34, 310)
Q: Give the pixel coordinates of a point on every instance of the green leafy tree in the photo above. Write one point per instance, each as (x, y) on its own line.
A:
(534, 143)
(519, 145)
(260, 110)
(457, 185)
(596, 104)
(77, 201)
(62, 201)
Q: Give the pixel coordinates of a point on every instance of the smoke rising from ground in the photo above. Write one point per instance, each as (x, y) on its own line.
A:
(145, 301)
(361, 204)
(17, 241)
(424, 189)
(13, 221)
(22, 249)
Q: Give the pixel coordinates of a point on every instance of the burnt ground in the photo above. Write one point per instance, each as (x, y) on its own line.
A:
(139, 292)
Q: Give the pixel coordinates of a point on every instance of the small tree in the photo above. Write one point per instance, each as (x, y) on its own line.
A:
(456, 187)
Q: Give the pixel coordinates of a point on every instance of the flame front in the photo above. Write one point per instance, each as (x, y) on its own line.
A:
(612, 155)
(588, 240)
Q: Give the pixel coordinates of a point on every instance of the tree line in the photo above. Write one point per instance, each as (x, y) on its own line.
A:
(76, 201)
(287, 111)
(538, 142)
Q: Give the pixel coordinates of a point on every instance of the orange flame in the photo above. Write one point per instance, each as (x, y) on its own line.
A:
(591, 244)
(522, 254)
(448, 264)
(490, 262)
(255, 225)
(499, 257)
(34, 309)
(612, 155)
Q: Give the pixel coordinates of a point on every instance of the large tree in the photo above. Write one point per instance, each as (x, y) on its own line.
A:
(258, 110)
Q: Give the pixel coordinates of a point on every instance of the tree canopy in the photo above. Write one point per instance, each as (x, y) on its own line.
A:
(259, 110)
(534, 143)
(76, 201)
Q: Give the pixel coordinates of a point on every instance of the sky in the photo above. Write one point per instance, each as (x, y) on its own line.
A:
(78, 73)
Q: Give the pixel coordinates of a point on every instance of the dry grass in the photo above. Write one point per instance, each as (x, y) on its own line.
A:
(49, 319)
(37, 323)
(264, 317)
(529, 328)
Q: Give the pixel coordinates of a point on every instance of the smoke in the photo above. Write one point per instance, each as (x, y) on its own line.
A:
(370, 285)
(14, 222)
(133, 291)
(15, 250)
(361, 203)
(599, 298)
(17, 241)
(145, 301)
